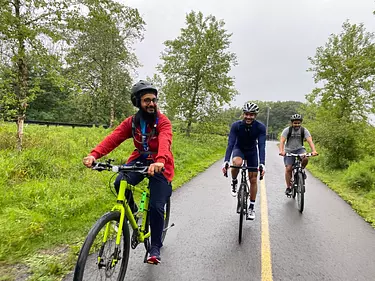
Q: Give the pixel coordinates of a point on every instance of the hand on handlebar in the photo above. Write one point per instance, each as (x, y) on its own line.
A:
(262, 170)
(88, 161)
(157, 167)
(224, 168)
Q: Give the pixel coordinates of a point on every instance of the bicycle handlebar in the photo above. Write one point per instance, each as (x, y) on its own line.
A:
(260, 169)
(137, 167)
(300, 154)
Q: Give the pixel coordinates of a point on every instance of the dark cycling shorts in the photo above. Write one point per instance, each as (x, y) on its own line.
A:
(250, 156)
(289, 160)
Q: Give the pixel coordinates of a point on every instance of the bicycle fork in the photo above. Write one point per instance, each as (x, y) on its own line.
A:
(115, 257)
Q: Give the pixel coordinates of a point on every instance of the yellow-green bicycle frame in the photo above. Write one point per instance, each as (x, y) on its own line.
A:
(123, 207)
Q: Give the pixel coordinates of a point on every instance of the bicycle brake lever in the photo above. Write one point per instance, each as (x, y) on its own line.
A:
(95, 166)
(260, 176)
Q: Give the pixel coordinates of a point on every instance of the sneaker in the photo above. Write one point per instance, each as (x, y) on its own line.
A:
(288, 191)
(154, 256)
(234, 190)
(250, 214)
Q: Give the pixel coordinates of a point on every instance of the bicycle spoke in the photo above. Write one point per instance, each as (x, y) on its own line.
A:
(100, 260)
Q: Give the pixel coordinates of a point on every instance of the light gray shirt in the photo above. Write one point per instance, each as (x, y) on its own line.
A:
(294, 142)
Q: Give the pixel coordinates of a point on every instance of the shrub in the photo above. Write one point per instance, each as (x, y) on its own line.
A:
(360, 175)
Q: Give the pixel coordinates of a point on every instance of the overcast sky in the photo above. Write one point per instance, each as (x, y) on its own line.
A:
(272, 38)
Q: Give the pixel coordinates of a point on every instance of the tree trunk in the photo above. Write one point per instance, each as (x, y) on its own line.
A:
(22, 76)
(112, 113)
(20, 123)
(193, 100)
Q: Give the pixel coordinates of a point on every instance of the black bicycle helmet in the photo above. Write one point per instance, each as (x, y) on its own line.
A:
(139, 89)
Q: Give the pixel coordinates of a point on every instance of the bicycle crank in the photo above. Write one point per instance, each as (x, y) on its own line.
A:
(134, 240)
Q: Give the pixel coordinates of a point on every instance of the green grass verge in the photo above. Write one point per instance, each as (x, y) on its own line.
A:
(362, 201)
(50, 200)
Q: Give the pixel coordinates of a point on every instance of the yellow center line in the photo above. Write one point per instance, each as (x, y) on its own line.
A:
(266, 249)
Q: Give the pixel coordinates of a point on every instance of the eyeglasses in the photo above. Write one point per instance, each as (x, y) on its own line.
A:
(147, 101)
(296, 123)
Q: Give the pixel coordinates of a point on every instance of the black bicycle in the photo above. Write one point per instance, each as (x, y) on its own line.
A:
(243, 193)
(298, 179)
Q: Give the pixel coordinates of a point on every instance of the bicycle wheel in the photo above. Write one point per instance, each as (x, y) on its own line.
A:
(300, 192)
(89, 267)
(242, 194)
(167, 210)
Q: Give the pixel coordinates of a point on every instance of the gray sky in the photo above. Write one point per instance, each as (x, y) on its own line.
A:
(272, 38)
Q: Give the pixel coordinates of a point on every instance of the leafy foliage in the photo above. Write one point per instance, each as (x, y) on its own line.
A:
(361, 175)
(279, 113)
(339, 110)
(346, 65)
(196, 66)
(26, 27)
(101, 59)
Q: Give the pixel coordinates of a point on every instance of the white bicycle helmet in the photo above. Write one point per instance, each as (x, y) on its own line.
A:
(250, 107)
(296, 117)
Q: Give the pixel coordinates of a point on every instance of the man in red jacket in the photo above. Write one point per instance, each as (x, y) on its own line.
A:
(152, 136)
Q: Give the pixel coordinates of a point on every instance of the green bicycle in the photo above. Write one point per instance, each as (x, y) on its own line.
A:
(104, 254)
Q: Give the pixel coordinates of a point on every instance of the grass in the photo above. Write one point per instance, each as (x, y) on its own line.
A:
(50, 200)
(362, 201)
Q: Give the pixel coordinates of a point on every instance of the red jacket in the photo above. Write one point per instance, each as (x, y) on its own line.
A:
(161, 143)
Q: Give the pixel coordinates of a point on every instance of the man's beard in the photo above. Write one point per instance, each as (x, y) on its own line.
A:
(148, 117)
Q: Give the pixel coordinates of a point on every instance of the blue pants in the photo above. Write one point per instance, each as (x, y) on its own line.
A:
(160, 191)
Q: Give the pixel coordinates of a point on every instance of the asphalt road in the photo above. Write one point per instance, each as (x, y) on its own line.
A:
(329, 241)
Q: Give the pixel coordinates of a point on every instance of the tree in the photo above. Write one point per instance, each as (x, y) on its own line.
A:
(101, 58)
(7, 99)
(196, 66)
(25, 29)
(279, 113)
(346, 68)
(341, 107)
(55, 100)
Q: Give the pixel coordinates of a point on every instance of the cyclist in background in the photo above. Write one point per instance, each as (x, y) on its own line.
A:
(291, 141)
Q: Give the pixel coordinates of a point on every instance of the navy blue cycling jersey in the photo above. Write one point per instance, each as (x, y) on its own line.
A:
(246, 138)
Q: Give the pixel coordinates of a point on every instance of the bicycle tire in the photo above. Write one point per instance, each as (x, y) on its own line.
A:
(300, 193)
(167, 210)
(294, 189)
(85, 255)
(242, 194)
